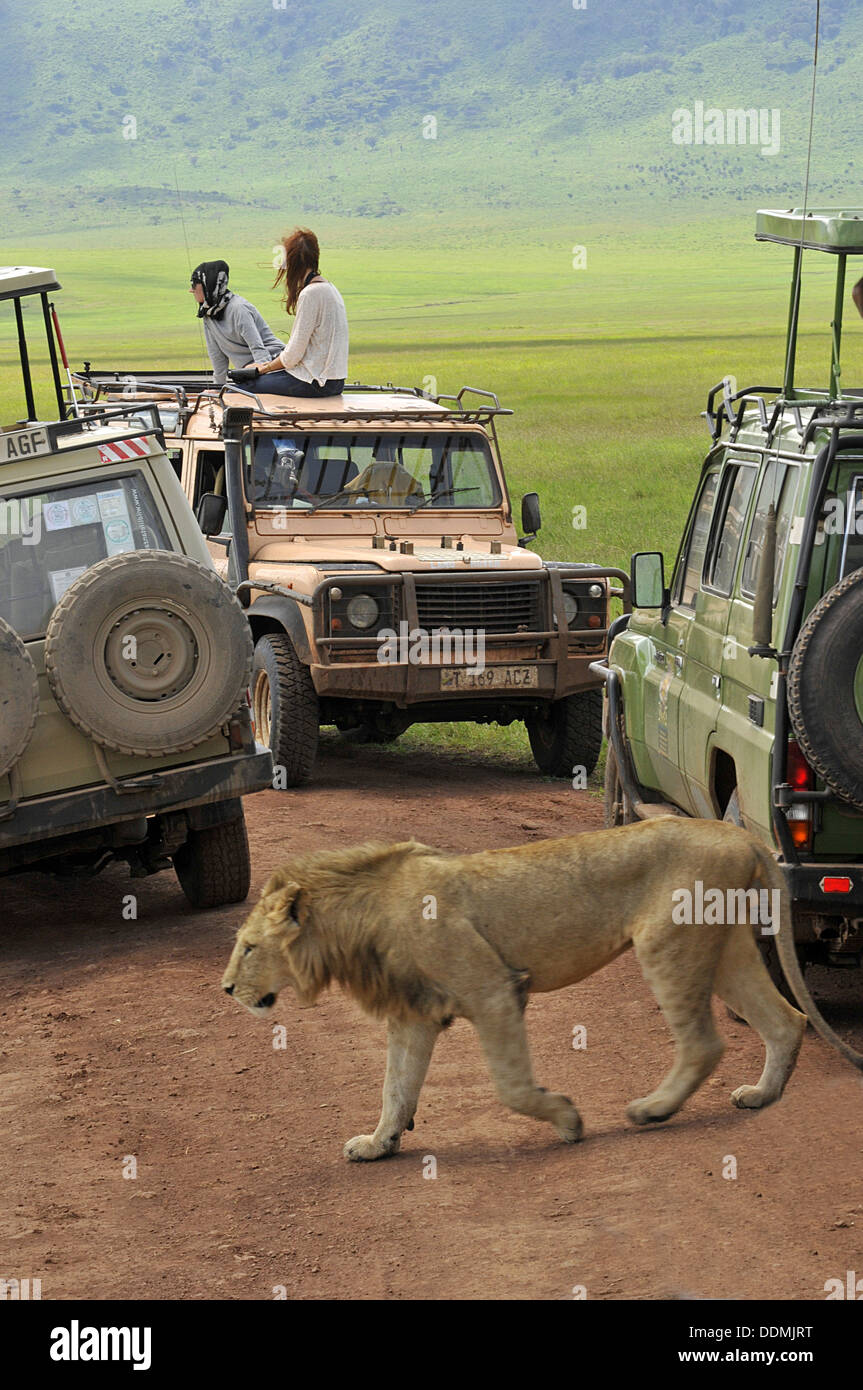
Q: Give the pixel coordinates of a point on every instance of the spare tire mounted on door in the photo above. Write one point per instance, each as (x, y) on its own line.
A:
(19, 697)
(148, 653)
(829, 726)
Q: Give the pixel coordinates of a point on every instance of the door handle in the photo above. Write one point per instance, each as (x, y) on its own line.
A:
(716, 682)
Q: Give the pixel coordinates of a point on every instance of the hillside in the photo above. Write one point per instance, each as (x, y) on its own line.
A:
(392, 109)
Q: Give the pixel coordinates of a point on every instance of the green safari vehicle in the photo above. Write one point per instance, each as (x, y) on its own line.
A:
(735, 691)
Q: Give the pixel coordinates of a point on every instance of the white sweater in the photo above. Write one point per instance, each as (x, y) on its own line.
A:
(317, 349)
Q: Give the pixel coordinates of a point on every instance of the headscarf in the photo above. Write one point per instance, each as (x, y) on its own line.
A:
(213, 275)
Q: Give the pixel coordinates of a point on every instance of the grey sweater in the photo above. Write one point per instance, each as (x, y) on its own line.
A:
(239, 338)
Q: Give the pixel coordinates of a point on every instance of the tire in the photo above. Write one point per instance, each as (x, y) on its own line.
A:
(213, 866)
(765, 944)
(285, 706)
(19, 697)
(191, 661)
(568, 735)
(618, 810)
(829, 647)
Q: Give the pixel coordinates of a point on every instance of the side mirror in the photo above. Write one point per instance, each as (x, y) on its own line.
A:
(531, 520)
(211, 513)
(648, 580)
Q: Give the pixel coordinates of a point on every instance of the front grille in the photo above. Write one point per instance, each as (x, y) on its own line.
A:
(505, 607)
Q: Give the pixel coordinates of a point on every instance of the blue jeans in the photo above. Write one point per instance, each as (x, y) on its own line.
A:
(284, 384)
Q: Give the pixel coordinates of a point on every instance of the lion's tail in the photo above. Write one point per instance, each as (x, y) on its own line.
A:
(769, 871)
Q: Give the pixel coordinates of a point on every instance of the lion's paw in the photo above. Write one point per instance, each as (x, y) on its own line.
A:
(364, 1148)
(648, 1111)
(570, 1125)
(747, 1098)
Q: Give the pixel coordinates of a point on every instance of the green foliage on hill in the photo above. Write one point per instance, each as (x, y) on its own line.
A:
(384, 108)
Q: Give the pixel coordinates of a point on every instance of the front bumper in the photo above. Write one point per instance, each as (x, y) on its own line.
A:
(47, 818)
(347, 667)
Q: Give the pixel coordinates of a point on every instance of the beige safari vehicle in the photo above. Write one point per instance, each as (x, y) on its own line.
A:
(125, 726)
(371, 537)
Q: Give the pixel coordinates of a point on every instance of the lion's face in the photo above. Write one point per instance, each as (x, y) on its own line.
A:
(260, 964)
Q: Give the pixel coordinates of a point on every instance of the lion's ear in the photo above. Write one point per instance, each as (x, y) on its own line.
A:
(280, 910)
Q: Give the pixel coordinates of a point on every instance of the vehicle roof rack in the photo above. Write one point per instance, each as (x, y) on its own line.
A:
(191, 389)
(838, 231)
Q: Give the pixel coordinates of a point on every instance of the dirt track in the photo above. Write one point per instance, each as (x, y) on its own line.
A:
(116, 1041)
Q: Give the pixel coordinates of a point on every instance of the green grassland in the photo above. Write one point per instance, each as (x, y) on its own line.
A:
(606, 368)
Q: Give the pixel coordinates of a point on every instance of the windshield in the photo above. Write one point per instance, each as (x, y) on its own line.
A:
(317, 471)
(49, 538)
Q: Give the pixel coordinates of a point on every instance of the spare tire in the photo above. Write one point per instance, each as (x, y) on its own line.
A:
(825, 689)
(19, 697)
(148, 653)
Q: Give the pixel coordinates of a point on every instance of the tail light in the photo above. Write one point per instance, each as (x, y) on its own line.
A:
(801, 817)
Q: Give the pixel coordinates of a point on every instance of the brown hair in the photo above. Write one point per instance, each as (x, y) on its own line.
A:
(301, 258)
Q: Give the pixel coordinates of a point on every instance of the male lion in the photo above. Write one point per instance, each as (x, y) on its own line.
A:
(420, 937)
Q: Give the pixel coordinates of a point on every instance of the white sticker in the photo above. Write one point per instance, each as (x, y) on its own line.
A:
(795, 535)
(57, 516)
(61, 580)
(116, 522)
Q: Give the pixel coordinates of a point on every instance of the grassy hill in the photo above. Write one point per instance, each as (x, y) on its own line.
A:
(389, 109)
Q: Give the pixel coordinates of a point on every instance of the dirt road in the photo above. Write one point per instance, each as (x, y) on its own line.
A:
(119, 1053)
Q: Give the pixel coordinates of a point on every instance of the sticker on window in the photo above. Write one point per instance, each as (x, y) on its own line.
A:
(116, 522)
(61, 580)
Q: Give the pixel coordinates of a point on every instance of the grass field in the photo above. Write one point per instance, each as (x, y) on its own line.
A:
(606, 367)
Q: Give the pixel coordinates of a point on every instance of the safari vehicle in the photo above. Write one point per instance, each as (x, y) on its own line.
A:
(371, 537)
(125, 726)
(736, 691)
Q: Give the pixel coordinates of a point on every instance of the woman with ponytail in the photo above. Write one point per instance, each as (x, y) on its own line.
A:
(315, 360)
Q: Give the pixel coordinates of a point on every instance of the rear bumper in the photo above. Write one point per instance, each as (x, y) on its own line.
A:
(46, 818)
(806, 883)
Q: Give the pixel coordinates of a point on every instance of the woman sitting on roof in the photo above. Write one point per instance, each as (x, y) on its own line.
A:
(315, 361)
(234, 330)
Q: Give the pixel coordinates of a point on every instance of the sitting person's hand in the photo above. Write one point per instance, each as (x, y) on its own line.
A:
(242, 376)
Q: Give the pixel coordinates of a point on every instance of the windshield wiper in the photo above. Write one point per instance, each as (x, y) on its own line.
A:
(445, 492)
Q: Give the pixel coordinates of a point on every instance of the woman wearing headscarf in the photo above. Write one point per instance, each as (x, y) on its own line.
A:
(234, 330)
(315, 361)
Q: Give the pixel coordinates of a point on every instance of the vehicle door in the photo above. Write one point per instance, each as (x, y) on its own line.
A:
(665, 672)
(701, 698)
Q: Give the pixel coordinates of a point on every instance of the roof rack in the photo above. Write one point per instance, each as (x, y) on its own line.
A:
(191, 388)
(844, 413)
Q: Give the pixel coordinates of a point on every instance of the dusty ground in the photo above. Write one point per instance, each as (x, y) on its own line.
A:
(117, 1042)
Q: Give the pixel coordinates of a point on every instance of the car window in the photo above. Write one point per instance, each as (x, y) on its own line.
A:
(852, 547)
(735, 492)
(779, 486)
(365, 469)
(49, 538)
(691, 567)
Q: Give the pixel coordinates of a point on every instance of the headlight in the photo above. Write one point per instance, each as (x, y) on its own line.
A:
(362, 611)
(570, 608)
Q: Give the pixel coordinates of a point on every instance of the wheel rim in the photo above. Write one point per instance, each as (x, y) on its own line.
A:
(151, 654)
(261, 707)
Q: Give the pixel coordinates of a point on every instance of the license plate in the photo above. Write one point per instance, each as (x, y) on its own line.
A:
(491, 678)
(23, 444)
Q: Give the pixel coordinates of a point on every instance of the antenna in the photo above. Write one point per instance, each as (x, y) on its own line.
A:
(794, 312)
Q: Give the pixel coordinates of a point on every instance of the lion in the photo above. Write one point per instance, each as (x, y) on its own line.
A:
(418, 937)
